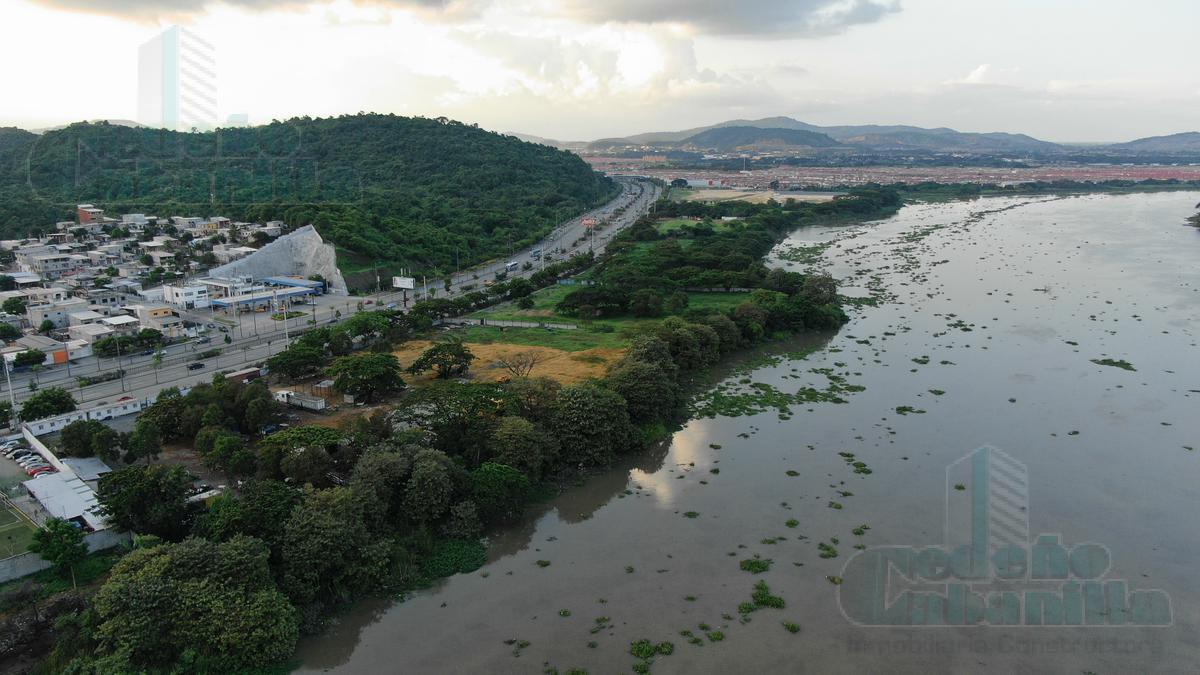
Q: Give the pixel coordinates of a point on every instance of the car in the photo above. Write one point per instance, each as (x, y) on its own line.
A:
(42, 471)
(18, 454)
(203, 340)
(35, 466)
(223, 329)
(195, 366)
(148, 352)
(34, 459)
(210, 325)
(8, 445)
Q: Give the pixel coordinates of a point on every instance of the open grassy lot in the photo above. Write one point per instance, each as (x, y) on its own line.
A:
(546, 299)
(15, 533)
(565, 340)
(567, 366)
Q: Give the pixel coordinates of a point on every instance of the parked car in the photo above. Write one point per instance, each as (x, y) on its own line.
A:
(8, 445)
(35, 466)
(19, 454)
(42, 471)
(35, 459)
(195, 366)
(13, 451)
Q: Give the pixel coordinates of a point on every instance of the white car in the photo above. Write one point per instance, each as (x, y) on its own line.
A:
(26, 461)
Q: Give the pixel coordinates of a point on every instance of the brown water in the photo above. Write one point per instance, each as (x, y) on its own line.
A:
(1105, 450)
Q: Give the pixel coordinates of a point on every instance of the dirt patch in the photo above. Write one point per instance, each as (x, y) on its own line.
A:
(563, 366)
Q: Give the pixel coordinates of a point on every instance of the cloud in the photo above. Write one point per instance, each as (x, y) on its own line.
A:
(775, 18)
(148, 10)
(770, 18)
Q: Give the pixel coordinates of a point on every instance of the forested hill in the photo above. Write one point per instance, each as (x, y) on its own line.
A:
(382, 187)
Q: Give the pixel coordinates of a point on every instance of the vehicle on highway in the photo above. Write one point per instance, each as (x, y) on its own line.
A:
(203, 340)
(148, 352)
(223, 329)
(512, 265)
(195, 366)
(535, 253)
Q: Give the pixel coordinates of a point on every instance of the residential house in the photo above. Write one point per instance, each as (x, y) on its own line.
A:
(186, 297)
(56, 312)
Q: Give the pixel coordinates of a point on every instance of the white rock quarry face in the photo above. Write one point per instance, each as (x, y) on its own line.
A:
(301, 253)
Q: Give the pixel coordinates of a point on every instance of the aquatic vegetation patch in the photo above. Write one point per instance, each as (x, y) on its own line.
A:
(756, 565)
(1115, 363)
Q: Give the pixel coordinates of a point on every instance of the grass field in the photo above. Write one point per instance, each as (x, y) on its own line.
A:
(563, 365)
(15, 533)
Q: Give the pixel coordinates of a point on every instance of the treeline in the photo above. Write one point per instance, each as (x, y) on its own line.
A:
(426, 193)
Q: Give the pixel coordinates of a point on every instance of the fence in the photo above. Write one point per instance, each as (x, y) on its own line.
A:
(30, 563)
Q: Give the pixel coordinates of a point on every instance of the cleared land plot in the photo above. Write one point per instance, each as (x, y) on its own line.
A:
(15, 533)
(564, 365)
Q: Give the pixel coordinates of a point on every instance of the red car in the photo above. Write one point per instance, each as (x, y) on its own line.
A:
(34, 473)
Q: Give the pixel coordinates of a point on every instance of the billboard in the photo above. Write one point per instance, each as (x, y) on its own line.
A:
(405, 283)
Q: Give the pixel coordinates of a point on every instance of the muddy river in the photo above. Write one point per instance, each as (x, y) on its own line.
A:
(994, 467)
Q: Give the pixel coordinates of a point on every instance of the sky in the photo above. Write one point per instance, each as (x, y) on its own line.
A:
(1059, 70)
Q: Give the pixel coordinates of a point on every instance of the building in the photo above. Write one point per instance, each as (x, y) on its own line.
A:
(221, 287)
(56, 313)
(43, 296)
(177, 82)
(227, 254)
(84, 318)
(56, 351)
(90, 332)
(122, 324)
(159, 317)
(186, 297)
(88, 213)
(55, 265)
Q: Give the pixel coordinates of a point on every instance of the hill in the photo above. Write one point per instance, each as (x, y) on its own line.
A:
(412, 191)
(735, 138)
(870, 137)
(1188, 142)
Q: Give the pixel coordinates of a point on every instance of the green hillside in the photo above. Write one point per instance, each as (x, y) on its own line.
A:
(384, 188)
(732, 138)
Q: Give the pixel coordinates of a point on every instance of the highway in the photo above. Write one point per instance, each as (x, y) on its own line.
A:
(254, 338)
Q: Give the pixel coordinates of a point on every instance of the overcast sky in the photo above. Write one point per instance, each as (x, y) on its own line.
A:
(1061, 70)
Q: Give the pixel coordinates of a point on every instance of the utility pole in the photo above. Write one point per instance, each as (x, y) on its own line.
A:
(12, 400)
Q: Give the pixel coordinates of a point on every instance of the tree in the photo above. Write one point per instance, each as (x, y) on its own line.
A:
(46, 326)
(366, 376)
(260, 509)
(819, 289)
(106, 443)
(307, 466)
(429, 489)
(7, 283)
(447, 358)
(518, 443)
(149, 500)
(61, 544)
(298, 360)
(29, 357)
(47, 403)
(329, 554)
(196, 606)
(677, 302)
(592, 424)
(14, 305)
(648, 392)
(9, 331)
(145, 442)
(521, 364)
(655, 351)
(525, 302)
(533, 398)
(6, 413)
(76, 438)
(499, 491)
(645, 302)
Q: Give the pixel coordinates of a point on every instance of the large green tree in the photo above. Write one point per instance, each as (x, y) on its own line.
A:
(366, 376)
(196, 606)
(149, 500)
(47, 403)
(61, 544)
(592, 425)
(447, 358)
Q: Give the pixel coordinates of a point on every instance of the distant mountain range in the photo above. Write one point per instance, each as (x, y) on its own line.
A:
(781, 132)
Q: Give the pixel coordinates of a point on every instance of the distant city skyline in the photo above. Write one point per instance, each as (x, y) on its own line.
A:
(575, 70)
(177, 81)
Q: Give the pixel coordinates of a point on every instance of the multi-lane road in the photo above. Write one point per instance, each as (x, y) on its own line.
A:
(145, 378)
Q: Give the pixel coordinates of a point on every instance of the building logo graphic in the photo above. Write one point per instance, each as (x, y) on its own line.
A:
(177, 81)
(989, 571)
